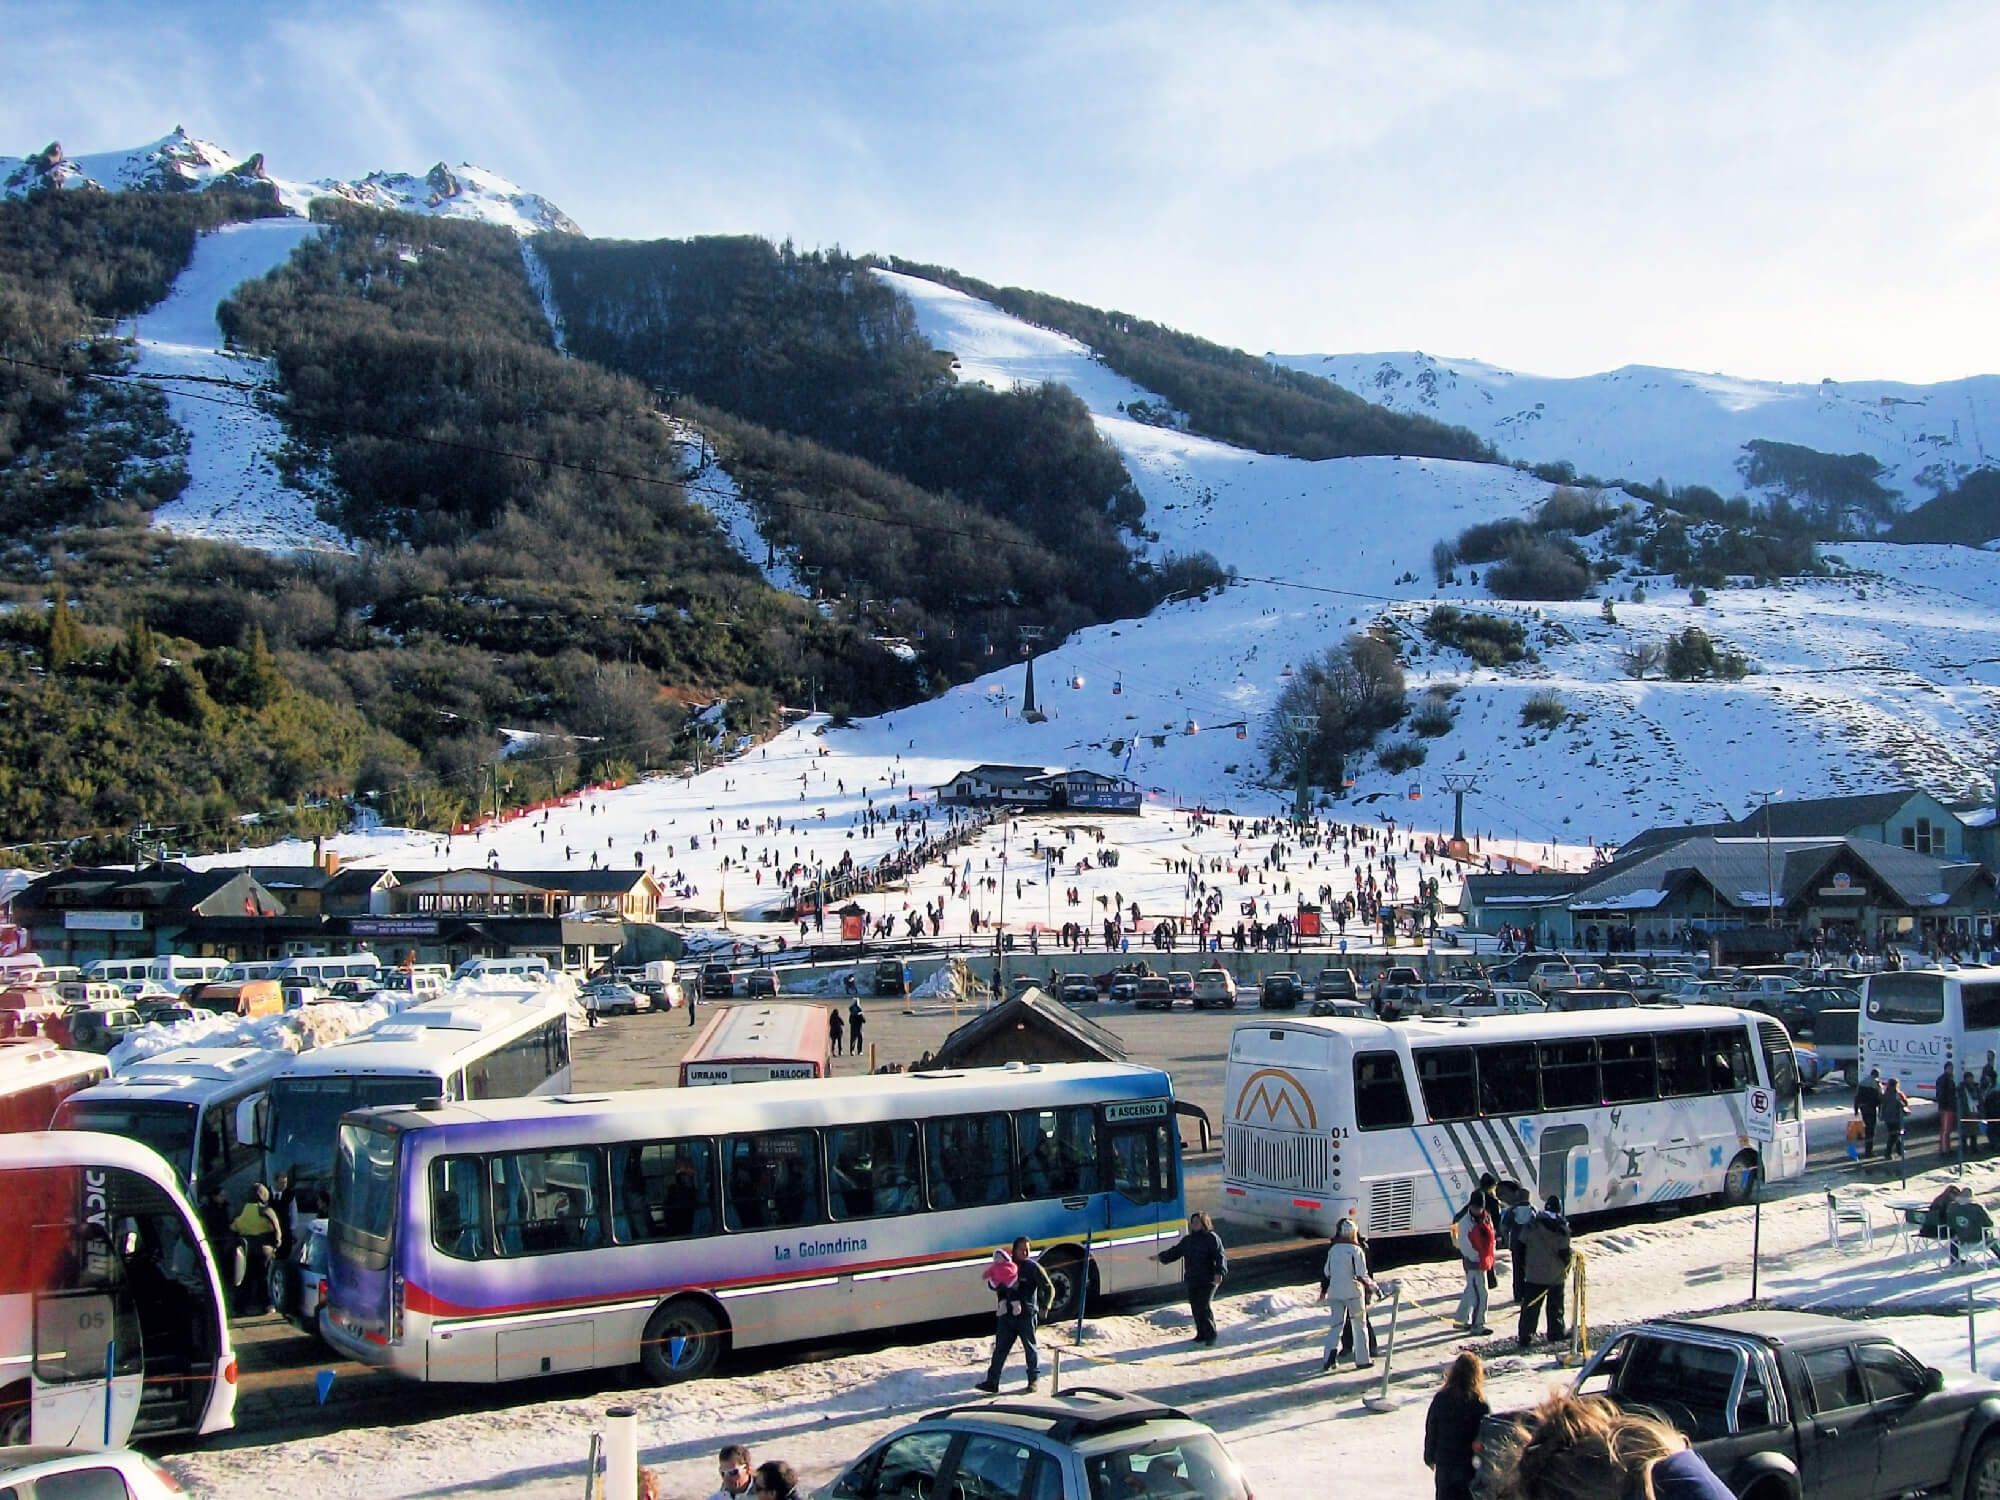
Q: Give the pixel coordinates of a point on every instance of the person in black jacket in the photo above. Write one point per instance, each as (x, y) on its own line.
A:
(1451, 1428)
(1203, 1266)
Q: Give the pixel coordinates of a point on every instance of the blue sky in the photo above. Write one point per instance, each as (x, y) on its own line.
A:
(1790, 191)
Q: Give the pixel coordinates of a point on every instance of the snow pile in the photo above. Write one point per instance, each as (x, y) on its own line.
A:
(234, 491)
(179, 162)
(1644, 423)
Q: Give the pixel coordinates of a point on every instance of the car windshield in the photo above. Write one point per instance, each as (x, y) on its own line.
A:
(1186, 1467)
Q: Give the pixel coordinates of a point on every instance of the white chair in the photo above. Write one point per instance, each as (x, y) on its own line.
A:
(1846, 1214)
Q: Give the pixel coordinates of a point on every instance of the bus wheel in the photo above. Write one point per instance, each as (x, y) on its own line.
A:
(683, 1341)
(1069, 1274)
(16, 1417)
(1737, 1181)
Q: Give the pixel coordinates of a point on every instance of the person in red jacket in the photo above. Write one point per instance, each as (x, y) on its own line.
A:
(1475, 1248)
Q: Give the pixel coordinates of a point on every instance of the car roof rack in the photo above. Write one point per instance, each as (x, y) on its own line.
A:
(1122, 1409)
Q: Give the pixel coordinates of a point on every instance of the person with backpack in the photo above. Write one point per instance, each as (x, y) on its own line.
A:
(1475, 1249)
(1548, 1256)
(1513, 1225)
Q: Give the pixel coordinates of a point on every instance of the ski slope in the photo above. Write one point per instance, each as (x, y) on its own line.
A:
(1645, 423)
(234, 492)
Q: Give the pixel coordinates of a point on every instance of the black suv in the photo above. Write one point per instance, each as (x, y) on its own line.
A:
(1281, 991)
(718, 981)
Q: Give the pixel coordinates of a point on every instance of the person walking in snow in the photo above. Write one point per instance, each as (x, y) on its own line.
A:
(857, 1019)
(1024, 1292)
(1895, 1105)
(833, 1029)
(1345, 1286)
(1475, 1249)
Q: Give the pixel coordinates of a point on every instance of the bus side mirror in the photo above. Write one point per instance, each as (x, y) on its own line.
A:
(252, 1119)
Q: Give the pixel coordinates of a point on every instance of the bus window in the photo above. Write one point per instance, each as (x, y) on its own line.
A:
(872, 1170)
(548, 1200)
(1683, 1062)
(969, 1157)
(1058, 1151)
(666, 1190)
(1907, 999)
(459, 1224)
(773, 1179)
(1381, 1101)
(1507, 1080)
(1569, 1074)
(1142, 1163)
(1781, 1065)
(1445, 1075)
(1729, 1065)
(1627, 1065)
(1981, 1004)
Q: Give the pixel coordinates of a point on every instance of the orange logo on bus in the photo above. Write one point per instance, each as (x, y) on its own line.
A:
(1273, 1090)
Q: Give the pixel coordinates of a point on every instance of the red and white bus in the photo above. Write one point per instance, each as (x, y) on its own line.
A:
(36, 1076)
(757, 1043)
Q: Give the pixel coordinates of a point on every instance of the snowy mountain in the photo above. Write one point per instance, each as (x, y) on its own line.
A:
(180, 162)
(1644, 423)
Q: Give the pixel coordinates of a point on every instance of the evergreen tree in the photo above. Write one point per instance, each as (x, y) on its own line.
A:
(63, 641)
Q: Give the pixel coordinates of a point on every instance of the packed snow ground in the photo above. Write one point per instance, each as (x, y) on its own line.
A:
(234, 492)
(1290, 1427)
(1645, 423)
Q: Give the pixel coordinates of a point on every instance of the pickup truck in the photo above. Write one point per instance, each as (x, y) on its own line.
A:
(1786, 1405)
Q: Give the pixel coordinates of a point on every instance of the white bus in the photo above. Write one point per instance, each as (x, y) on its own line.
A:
(112, 1321)
(489, 1242)
(196, 1106)
(169, 969)
(1395, 1122)
(757, 1043)
(492, 1047)
(1914, 1021)
(36, 1076)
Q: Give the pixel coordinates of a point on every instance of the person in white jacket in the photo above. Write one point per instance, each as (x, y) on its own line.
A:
(1344, 1286)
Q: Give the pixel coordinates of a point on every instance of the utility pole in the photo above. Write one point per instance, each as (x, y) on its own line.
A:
(1770, 888)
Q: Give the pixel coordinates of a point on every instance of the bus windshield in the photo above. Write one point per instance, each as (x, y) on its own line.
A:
(305, 1116)
(364, 1188)
(1907, 999)
(167, 1126)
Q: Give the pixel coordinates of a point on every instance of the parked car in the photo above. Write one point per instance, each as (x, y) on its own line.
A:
(1560, 999)
(1502, 1000)
(718, 981)
(610, 998)
(91, 1030)
(1214, 988)
(85, 1474)
(1077, 989)
(164, 1012)
(1086, 1444)
(298, 1279)
(1812, 1067)
(1785, 1404)
(1181, 982)
(1800, 1009)
(1553, 974)
(1281, 991)
(1336, 984)
(892, 977)
(1124, 987)
(1156, 992)
(760, 984)
(1398, 992)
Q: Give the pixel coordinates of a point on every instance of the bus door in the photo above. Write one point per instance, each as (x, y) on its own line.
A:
(1142, 1155)
(89, 1356)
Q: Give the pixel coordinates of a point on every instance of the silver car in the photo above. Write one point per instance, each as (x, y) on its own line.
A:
(1087, 1444)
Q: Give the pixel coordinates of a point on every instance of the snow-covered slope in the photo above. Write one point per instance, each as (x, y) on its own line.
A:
(233, 492)
(180, 162)
(1644, 423)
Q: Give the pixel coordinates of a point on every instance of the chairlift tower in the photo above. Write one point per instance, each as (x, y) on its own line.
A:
(1305, 726)
(1458, 783)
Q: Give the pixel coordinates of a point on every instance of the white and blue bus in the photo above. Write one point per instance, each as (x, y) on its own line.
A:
(112, 1321)
(1395, 1124)
(492, 1046)
(496, 1241)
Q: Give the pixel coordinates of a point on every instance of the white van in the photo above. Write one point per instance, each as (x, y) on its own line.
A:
(424, 984)
(532, 966)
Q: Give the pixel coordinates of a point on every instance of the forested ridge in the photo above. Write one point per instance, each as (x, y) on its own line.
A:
(1225, 393)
